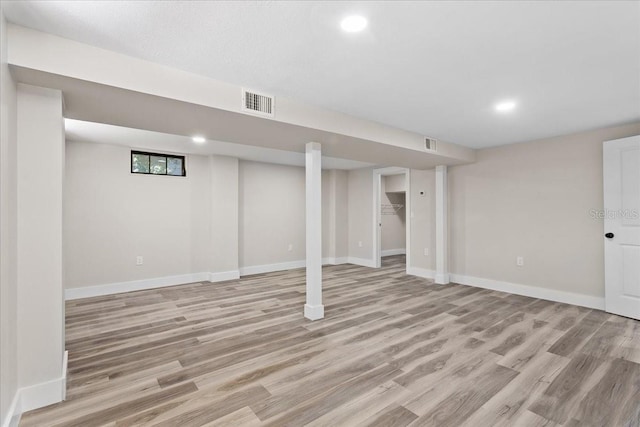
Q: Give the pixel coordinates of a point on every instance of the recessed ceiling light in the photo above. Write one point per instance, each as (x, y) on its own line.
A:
(505, 106)
(199, 139)
(354, 23)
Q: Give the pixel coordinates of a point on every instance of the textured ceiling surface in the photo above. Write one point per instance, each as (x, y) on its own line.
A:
(435, 68)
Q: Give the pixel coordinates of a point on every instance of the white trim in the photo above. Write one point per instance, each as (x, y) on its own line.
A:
(65, 364)
(313, 229)
(314, 312)
(12, 419)
(442, 229)
(223, 276)
(407, 217)
(391, 252)
(377, 217)
(442, 279)
(377, 212)
(268, 268)
(135, 285)
(160, 282)
(531, 291)
(290, 265)
(44, 394)
(421, 272)
(361, 261)
(334, 261)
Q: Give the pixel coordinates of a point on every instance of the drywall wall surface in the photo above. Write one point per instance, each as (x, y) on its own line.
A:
(224, 213)
(341, 212)
(272, 214)
(8, 229)
(423, 219)
(395, 183)
(360, 188)
(113, 216)
(200, 195)
(40, 175)
(533, 200)
(328, 215)
(393, 233)
(334, 214)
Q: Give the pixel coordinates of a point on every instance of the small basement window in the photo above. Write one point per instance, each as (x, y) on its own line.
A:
(157, 164)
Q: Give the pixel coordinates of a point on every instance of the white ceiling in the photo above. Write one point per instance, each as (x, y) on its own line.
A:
(436, 68)
(81, 131)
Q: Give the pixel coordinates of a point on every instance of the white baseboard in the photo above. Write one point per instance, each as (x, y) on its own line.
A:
(531, 291)
(334, 261)
(268, 268)
(38, 396)
(65, 365)
(421, 272)
(314, 312)
(12, 419)
(160, 282)
(390, 252)
(281, 266)
(135, 285)
(223, 276)
(442, 279)
(361, 261)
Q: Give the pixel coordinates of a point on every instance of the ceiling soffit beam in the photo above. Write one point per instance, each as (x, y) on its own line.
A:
(38, 51)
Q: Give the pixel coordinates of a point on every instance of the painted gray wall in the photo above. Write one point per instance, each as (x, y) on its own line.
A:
(272, 213)
(533, 200)
(423, 227)
(224, 215)
(8, 230)
(360, 205)
(40, 176)
(112, 216)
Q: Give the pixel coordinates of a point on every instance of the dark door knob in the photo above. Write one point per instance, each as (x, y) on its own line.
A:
(609, 235)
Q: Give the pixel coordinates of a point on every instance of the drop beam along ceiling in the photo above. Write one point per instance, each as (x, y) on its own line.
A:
(100, 133)
(434, 68)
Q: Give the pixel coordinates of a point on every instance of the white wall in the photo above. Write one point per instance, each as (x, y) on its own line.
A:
(360, 205)
(423, 219)
(112, 216)
(335, 211)
(533, 200)
(272, 206)
(40, 306)
(8, 231)
(395, 183)
(223, 214)
(393, 234)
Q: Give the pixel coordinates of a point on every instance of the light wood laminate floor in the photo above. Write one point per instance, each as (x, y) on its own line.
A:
(393, 350)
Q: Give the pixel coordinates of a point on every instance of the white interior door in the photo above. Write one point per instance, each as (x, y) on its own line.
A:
(622, 226)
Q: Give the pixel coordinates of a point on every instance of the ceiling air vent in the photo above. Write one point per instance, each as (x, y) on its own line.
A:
(258, 103)
(430, 144)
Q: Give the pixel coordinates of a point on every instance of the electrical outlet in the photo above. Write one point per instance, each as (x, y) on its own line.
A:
(139, 260)
(426, 251)
(359, 244)
(290, 247)
(519, 261)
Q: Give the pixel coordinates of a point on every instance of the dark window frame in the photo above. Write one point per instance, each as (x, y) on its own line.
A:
(166, 156)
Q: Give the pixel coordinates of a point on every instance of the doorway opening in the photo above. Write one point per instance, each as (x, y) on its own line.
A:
(392, 214)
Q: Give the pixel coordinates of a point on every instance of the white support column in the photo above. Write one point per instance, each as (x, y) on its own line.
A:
(40, 298)
(442, 244)
(314, 309)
